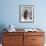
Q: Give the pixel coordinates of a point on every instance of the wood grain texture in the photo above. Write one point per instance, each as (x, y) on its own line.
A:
(34, 39)
(23, 39)
(13, 39)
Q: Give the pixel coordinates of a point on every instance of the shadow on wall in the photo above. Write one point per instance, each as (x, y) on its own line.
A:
(2, 26)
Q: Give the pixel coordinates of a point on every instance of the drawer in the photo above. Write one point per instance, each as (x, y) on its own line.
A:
(8, 44)
(12, 39)
(18, 44)
(34, 33)
(13, 33)
(37, 39)
(37, 44)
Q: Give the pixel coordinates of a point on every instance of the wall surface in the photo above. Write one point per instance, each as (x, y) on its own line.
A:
(10, 13)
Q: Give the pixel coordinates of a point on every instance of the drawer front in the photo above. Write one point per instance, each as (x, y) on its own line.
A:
(12, 39)
(37, 39)
(37, 45)
(8, 44)
(34, 33)
(13, 33)
(12, 45)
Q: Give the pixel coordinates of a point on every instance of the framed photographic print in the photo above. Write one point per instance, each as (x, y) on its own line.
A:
(26, 13)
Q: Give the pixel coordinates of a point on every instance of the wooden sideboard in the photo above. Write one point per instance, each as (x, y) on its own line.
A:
(23, 39)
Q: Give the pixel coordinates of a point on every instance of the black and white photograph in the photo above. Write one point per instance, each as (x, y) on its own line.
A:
(26, 13)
